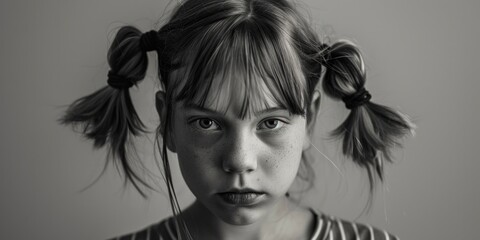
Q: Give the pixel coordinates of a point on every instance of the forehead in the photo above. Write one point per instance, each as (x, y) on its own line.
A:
(233, 94)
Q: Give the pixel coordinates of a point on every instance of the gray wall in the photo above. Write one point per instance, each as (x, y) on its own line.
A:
(422, 57)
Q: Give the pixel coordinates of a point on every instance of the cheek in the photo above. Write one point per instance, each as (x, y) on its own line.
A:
(196, 153)
(197, 164)
(284, 158)
(194, 158)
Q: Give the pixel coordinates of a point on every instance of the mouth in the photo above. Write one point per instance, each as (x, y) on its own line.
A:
(241, 197)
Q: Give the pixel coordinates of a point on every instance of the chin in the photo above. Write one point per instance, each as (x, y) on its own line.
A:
(241, 216)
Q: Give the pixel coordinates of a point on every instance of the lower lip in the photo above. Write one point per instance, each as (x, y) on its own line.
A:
(241, 199)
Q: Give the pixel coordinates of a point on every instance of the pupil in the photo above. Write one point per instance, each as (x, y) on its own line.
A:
(205, 123)
(271, 123)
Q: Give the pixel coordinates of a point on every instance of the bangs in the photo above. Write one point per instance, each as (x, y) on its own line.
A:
(249, 62)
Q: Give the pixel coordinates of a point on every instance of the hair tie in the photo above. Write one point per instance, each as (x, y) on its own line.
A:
(118, 82)
(149, 41)
(359, 98)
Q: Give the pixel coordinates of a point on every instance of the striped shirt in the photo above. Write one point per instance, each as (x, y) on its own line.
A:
(326, 228)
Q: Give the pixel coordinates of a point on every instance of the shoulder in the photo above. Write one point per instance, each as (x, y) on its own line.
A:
(330, 227)
(163, 230)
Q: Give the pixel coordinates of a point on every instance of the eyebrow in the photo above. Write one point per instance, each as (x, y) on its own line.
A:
(197, 107)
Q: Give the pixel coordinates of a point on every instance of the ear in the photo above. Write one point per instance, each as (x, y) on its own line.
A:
(312, 113)
(161, 106)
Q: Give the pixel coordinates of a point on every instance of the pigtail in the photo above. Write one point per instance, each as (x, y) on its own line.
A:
(371, 130)
(107, 116)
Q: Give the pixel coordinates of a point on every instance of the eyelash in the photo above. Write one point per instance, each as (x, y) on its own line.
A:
(197, 123)
(280, 124)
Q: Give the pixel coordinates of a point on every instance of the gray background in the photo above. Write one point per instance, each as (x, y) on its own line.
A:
(422, 57)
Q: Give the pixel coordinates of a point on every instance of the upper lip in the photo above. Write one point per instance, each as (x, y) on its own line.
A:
(242, 190)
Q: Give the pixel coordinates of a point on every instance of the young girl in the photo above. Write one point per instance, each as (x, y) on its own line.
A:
(240, 93)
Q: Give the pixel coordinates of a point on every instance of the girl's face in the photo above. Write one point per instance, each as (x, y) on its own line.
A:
(237, 168)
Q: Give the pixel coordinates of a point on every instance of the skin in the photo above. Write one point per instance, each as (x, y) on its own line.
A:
(218, 151)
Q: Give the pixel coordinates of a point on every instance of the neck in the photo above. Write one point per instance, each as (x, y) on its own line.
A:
(283, 220)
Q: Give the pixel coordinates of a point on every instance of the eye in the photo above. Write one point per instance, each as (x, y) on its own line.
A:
(206, 124)
(271, 124)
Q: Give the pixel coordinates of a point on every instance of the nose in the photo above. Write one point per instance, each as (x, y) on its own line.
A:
(240, 153)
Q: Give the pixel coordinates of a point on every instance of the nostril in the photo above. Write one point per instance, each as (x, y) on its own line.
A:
(238, 169)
